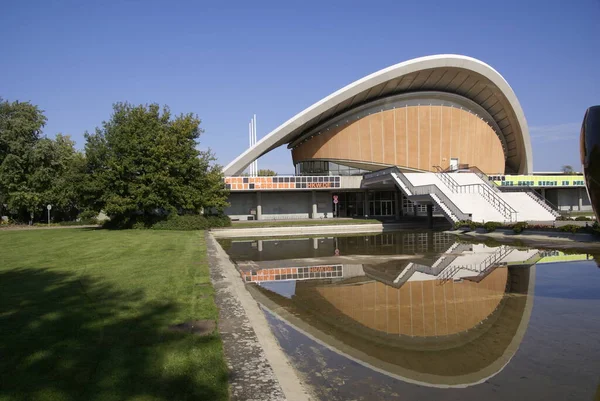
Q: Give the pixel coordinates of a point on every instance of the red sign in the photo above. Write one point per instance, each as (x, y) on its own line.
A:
(318, 185)
(321, 269)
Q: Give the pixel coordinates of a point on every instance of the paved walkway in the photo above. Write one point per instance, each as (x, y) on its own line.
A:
(259, 369)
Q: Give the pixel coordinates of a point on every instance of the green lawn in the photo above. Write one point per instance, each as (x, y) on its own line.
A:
(84, 315)
(298, 223)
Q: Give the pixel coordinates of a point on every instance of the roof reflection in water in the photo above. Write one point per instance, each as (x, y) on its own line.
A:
(441, 314)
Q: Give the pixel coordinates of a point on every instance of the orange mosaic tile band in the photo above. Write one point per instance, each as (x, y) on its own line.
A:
(294, 273)
(283, 182)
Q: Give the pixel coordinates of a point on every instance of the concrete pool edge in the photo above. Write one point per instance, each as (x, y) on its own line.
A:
(259, 369)
(315, 230)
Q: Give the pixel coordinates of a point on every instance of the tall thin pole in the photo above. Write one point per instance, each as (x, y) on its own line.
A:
(252, 170)
(254, 131)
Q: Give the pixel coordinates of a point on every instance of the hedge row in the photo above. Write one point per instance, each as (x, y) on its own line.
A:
(491, 226)
(192, 222)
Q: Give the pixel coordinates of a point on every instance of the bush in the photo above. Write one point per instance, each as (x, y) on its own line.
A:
(192, 222)
(583, 218)
(519, 227)
(569, 228)
(218, 221)
(491, 226)
(80, 222)
(563, 218)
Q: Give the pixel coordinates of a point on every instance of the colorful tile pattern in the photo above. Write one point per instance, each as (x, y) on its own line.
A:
(293, 273)
(281, 182)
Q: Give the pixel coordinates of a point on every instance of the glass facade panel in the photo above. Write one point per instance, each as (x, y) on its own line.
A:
(318, 167)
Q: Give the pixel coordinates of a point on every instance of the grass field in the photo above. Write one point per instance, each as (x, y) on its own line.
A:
(300, 223)
(84, 315)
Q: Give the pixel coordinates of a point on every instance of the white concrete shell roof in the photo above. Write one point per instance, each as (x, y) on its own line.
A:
(461, 75)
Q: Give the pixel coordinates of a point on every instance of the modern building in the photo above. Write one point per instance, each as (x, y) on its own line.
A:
(590, 155)
(420, 120)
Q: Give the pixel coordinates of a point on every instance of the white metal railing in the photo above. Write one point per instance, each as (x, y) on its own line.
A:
(533, 194)
(485, 191)
(453, 212)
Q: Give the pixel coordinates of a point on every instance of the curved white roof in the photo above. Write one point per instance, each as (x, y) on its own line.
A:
(462, 75)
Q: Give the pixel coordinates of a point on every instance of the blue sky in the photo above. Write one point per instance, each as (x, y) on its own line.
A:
(227, 60)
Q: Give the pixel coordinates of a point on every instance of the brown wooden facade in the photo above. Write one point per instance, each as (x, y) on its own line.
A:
(414, 137)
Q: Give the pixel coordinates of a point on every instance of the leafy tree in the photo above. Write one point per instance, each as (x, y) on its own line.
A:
(21, 126)
(266, 173)
(144, 165)
(36, 171)
(567, 169)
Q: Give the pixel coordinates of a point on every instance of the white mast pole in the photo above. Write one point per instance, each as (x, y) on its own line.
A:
(254, 130)
(250, 144)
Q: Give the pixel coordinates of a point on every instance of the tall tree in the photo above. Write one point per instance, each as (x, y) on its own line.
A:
(36, 171)
(266, 173)
(567, 169)
(144, 165)
(21, 126)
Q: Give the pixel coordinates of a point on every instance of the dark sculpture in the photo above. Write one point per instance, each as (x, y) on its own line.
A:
(590, 155)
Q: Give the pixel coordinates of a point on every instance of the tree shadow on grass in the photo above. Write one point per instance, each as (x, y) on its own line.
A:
(70, 337)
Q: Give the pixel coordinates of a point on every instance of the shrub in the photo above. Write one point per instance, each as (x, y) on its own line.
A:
(583, 218)
(563, 218)
(491, 226)
(519, 227)
(80, 222)
(540, 227)
(185, 223)
(192, 222)
(218, 221)
(474, 225)
(569, 228)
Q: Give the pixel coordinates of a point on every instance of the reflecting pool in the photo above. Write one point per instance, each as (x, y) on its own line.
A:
(419, 316)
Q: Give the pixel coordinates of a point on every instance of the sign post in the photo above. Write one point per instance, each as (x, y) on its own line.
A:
(49, 207)
(335, 202)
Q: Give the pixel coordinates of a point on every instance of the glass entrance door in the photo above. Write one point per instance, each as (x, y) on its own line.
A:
(386, 208)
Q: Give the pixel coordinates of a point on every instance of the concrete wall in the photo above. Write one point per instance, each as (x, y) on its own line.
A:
(279, 205)
(569, 199)
(286, 205)
(242, 203)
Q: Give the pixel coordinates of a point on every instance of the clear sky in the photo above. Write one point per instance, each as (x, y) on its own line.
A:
(225, 60)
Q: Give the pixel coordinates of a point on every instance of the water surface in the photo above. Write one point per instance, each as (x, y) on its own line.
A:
(418, 316)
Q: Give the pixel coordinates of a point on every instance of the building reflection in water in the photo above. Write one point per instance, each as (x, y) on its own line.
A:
(441, 314)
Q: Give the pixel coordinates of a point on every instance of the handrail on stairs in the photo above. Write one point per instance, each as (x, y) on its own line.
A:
(422, 190)
(533, 194)
(430, 189)
(488, 194)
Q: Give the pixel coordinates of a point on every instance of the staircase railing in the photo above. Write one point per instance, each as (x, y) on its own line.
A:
(447, 274)
(484, 177)
(480, 268)
(494, 258)
(426, 190)
(533, 194)
(507, 211)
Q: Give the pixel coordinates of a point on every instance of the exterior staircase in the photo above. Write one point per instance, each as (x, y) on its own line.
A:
(465, 196)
